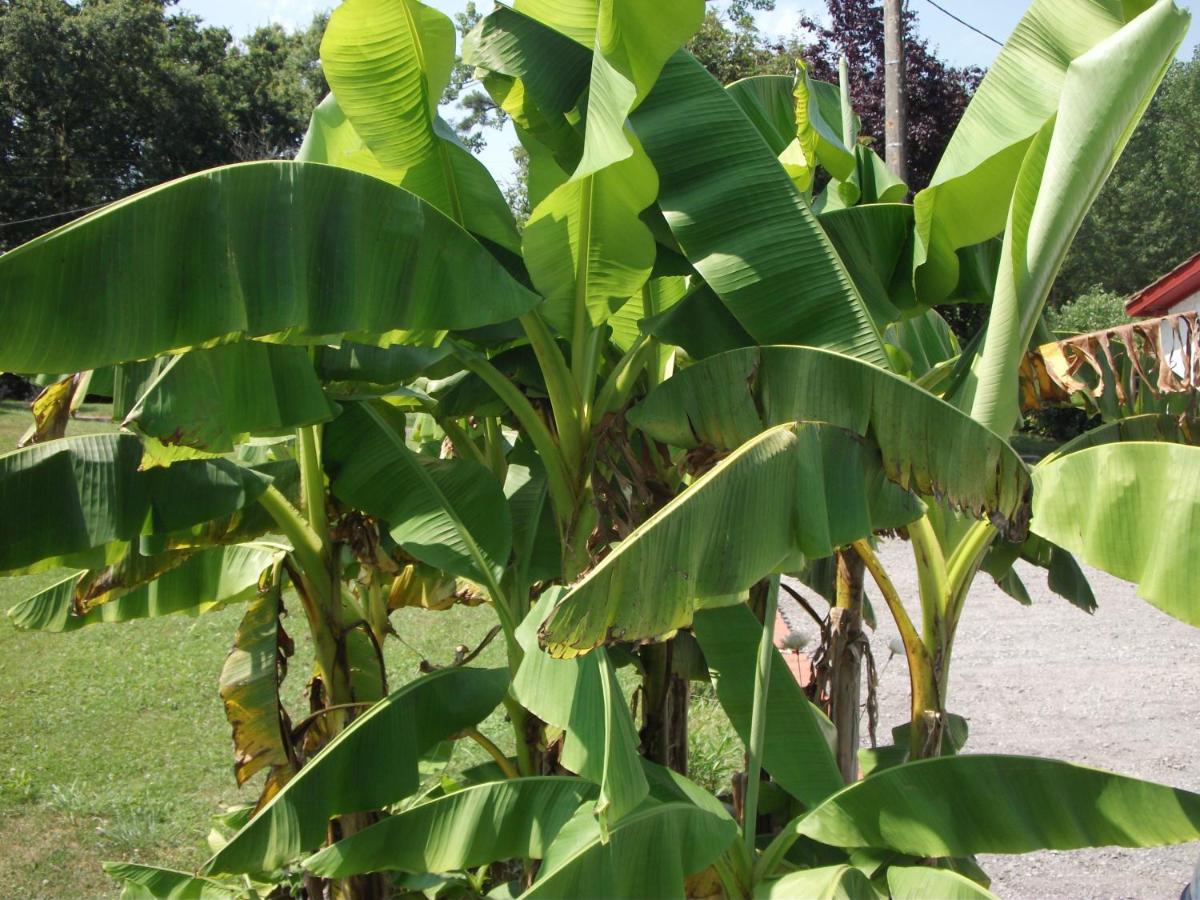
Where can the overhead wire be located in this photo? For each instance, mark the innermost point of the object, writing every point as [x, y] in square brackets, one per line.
[964, 23]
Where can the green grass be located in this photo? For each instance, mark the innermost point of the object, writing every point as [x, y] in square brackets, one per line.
[114, 743]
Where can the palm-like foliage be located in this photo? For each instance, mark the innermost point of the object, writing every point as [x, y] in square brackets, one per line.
[687, 377]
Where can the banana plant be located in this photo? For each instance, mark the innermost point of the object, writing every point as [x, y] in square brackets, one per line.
[614, 432]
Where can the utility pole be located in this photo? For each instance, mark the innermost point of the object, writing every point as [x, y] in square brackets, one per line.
[895, 92]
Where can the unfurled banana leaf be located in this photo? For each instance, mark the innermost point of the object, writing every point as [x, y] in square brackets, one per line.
[200, 581]
[369, 765]
[1100, 97]
[388, 62]
[768, 103]
[925, 883]
[927, 445]
[1035, 78]
[648, 853]
[472, 827]
[582, 697]
[271, 249]
[798, 752]
[249, 688]
[79, 494]
[742, 223]
[1126, 508]
[795, 489]
[826, 883]
[873, 242]
[450, 514]
[585, 246]
[630, 40]
[140, 882]
[963, 805]
[211, 399]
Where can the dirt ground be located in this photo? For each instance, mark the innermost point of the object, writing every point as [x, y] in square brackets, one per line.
[1118, 690]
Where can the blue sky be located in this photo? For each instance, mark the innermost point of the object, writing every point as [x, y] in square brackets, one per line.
[955, 43]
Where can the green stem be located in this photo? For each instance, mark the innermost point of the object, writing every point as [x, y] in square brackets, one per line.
[557, 473]
[657, 372]
[964, 565]
[312, 480]
[758, 716]
[493, 751]
[560, 386]
[624, 376]
[464, 447]
[306, 545]
[931, 577]
[495, 448]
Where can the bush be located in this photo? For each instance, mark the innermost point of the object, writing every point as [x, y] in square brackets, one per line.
[1091, 311]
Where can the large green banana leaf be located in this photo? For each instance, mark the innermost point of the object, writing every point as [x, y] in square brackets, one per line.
[927, 445]
[385, 743]
[214, 398]
[796, 489]
[962, 805]
[798, 752]
[648, 853]
[742, 223]
[767, 101]
[630, 40]
[1129, 509]
[249, 688]
[272, 249]
[476, 826]
[81, 493]
[826, 883]
[585, 246]
[537, 548]
[203, 580]
[582, 697]
[1034, 80]
[1148, 428]
[925, 883]
[451, 514]
[140, 882]
[1104, 92]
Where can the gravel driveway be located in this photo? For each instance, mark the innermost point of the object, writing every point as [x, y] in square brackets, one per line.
[1119, 690]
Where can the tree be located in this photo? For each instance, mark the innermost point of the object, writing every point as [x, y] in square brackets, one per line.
[1147, 219]
[460, 436]
[106, 97]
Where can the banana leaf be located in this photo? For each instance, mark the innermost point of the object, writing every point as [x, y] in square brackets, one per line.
[450, 514]
[825, 883]
[1129, 509]
[140, 882]
[795, 489]
[202, 581]
[79, 494]
[389, 738]
[472, 827]
[925, 883]
[281, 250]
[927, 445]
[963, 805]
[1149, 428]
[742, 223]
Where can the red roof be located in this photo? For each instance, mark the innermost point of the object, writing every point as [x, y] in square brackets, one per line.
[1157, 299]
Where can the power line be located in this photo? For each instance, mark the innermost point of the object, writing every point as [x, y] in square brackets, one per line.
[65, 212]
[964, 23]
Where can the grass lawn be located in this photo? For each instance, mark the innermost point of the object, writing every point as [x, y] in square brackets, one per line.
[115, 744]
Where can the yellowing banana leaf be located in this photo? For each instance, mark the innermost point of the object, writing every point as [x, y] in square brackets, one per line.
[387, 741]
[1129, 509]
[741, 222]
[798, 752]
[927, 445]
[280, 250]
[586, 248]
[82, 493]
[1104, 91]
[925, 883]
[211, 399]
[630, 40]
[1027, 86]
[646, 854]
[582, 697]
[476, 826]
[826, 883]
[795, 489]
[140, 882]
[201, 581]
[450, 514]
[963, 805]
